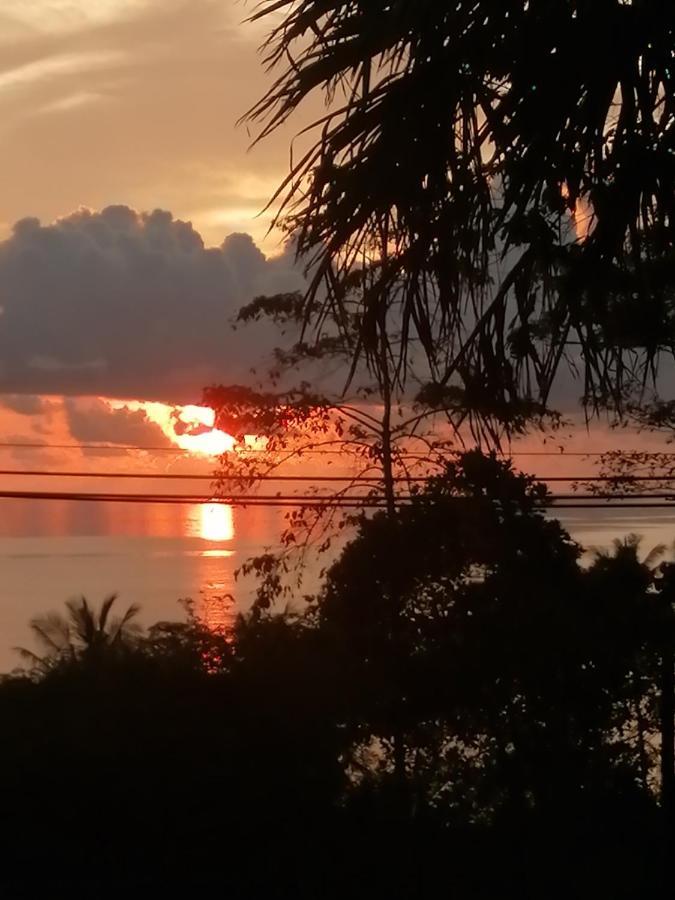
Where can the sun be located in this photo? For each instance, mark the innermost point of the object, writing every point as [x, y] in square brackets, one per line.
[210, 443]
[189, 427]
[199, 435]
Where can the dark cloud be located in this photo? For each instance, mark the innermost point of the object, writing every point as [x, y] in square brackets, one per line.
[93, 421]
[26, 404]
[30, 450]
[127, 304]
[23, 441]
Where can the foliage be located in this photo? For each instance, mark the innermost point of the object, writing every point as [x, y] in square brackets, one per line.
[526, 691]
[503, 171]
[83, 634]
[190, 645]
[384, 438]
[466, 621]
[378, 436]
[644, 472]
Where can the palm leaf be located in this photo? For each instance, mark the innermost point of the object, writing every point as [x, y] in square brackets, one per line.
[52, 631]
[461, 161]
[104, 612]
[123, 627]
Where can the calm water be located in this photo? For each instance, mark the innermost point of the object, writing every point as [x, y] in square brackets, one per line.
[154, 555]
[147, 553]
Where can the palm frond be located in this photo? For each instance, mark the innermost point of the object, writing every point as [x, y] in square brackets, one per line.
[83, 619]
[463, 145]
[124, 627]
[104, 611]
[32, 658]
[52, 631]
[655, 555]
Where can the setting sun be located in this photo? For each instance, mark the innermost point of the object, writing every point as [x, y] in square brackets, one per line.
[200, 436]
[188, 427]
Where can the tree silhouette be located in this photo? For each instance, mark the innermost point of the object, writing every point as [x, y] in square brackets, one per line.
[518, 679]
[666, 647]
[83, 634]
[511, 193]
[387, 442]
[465, 624]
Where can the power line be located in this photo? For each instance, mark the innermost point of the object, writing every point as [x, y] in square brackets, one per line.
[179, 451]
[180, 476]
[369, 479]
[623, 495]
[612, 506]
[242, 500]
[604, 478]
[13, 445]
[561, 501]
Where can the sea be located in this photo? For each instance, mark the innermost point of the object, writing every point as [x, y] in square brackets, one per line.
[156, 555]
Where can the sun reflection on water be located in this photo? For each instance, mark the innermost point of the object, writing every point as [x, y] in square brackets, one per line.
[216, 611]
[216, 606]
[216, 522]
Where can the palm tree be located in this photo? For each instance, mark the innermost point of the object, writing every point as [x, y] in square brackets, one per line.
[635, 578]
[627, 550]
[514, 194]
[82, 634]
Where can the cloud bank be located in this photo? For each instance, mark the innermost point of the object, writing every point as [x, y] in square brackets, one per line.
[125, 304]
[93, 421]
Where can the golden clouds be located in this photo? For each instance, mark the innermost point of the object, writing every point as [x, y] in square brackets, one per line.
[134, 101]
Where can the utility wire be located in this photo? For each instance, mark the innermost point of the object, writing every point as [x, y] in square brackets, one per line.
[180, 476]
[365, 479]
[28, 446]
[306, 452]
[248, 500]
[563, 501]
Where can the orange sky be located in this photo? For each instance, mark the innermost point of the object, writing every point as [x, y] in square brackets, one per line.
[165, 430]
[134, 102]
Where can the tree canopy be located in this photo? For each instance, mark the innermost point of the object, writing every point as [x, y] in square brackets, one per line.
[458, 656]
[505, 173]
[465, 622]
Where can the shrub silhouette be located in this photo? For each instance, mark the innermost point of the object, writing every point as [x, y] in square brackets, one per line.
[522, 688]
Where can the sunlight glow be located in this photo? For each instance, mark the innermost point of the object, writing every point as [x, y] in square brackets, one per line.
[581, 216]
[201, 436]
[216, 522]
[188, 427]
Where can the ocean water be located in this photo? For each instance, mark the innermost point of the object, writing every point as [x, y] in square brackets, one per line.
[155, 554]
[150, 554]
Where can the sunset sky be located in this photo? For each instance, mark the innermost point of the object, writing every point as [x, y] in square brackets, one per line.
[134, 102]
[132, 229]
[129, 215]
[110, 111]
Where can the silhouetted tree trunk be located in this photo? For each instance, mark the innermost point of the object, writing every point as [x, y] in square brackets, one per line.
[668, 724]
[387, 457]
[640, 720]
[390, 499]
[389, 491]
[666, 625]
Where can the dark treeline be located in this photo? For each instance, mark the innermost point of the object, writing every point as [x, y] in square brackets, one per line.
[466, 709]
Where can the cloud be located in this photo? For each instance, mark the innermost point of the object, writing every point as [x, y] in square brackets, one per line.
[136, 101]
[54, 66]
[26, 404]
[71, 102]
[31, 450]
[125, 304]
[94, 421]
[68, 15]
